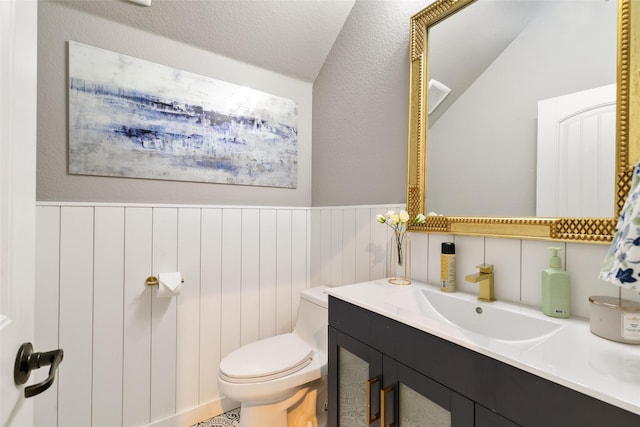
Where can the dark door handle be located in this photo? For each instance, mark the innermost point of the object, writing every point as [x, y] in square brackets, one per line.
[27, 361]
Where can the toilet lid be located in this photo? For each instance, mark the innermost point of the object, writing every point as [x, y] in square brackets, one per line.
[267, 359]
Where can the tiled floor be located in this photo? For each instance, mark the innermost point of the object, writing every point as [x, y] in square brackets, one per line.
[228, 419]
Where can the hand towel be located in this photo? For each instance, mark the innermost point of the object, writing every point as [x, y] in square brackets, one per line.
[622, 264]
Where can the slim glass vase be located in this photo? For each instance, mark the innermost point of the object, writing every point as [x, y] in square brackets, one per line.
[399, 263]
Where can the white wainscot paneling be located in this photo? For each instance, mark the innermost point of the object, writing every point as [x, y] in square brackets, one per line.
[362, 243]
[47, 297]
[325, 247]
[210, 303]
[188, 310]
[348, 274]
[76, 316]
[164, 316]
[283, 271]
[136, 393]
[470, 252]
[348, 245]
[132, 359]
[299, 257]
[108, 291]
[231, 279]
[315, 247]
[337, 248]
[419, 256]
[535, 258]
[250, 288]
[504, 255]
[268, 274]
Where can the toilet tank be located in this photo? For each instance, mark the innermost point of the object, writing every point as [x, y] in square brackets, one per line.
[313, 318]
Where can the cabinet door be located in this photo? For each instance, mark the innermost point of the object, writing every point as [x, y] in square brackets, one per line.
[412, 399]
[355, 379]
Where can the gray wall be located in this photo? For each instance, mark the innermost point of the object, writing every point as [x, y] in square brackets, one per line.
[57, 24]
[360, 108]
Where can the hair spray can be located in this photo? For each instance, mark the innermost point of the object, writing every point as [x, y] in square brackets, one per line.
[448, 267]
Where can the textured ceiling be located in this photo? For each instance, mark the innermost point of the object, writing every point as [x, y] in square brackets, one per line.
[291, 37]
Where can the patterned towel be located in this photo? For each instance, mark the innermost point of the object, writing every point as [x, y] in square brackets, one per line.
[622, 264]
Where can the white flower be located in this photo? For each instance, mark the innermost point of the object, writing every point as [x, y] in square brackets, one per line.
[398, 221]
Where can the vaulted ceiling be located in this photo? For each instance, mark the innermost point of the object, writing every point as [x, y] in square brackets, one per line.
[294, 37]
[291, 37]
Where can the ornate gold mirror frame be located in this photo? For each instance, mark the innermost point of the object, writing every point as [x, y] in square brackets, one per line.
[587, 230]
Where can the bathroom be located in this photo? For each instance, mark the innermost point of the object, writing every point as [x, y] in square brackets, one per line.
[131, 360]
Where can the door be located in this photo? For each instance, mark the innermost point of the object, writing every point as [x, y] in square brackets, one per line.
[18, 67]
[576, 154]
[412, 399]
[355, 384]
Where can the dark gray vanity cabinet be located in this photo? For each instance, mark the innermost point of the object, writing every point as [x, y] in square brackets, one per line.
[421, 377]
[376, 390]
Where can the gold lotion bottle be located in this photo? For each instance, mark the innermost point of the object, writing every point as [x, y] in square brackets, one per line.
[448, 267]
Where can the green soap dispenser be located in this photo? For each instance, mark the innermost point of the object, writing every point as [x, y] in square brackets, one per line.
[556, 293]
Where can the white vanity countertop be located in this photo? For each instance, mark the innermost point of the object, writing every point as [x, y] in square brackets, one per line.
[572, 356]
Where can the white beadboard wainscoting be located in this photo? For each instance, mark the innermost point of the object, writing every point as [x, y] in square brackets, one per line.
[348, 244]
[135, 360]
[131, 359]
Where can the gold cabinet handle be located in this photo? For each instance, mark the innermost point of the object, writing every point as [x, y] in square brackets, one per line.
[371, 418]
[383, 405]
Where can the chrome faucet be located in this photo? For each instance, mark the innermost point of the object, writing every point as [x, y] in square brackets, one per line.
[485, 279]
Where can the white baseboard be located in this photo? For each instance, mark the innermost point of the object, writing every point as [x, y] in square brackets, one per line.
[195, 415]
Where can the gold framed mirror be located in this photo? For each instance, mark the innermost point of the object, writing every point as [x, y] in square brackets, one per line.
[627, 144]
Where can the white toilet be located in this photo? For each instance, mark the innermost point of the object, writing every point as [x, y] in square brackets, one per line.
[281, 381]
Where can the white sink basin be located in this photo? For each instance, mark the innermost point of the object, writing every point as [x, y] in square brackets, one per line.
[502, 321]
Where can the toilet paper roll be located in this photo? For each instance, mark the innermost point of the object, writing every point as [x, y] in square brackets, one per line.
[170, 284]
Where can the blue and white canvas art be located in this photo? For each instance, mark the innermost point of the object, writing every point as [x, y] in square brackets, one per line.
[134, 118]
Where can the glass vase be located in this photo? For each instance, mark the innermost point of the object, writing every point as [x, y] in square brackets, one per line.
[399, 263]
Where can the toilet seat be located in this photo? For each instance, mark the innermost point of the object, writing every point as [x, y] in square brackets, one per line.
[279, 356]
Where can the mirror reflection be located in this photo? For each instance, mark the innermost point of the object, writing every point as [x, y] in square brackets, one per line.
[528, 127]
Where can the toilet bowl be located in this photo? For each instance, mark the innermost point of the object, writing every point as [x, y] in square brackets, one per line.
[280, 381]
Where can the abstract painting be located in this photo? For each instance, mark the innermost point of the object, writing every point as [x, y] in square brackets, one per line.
[134, 118]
